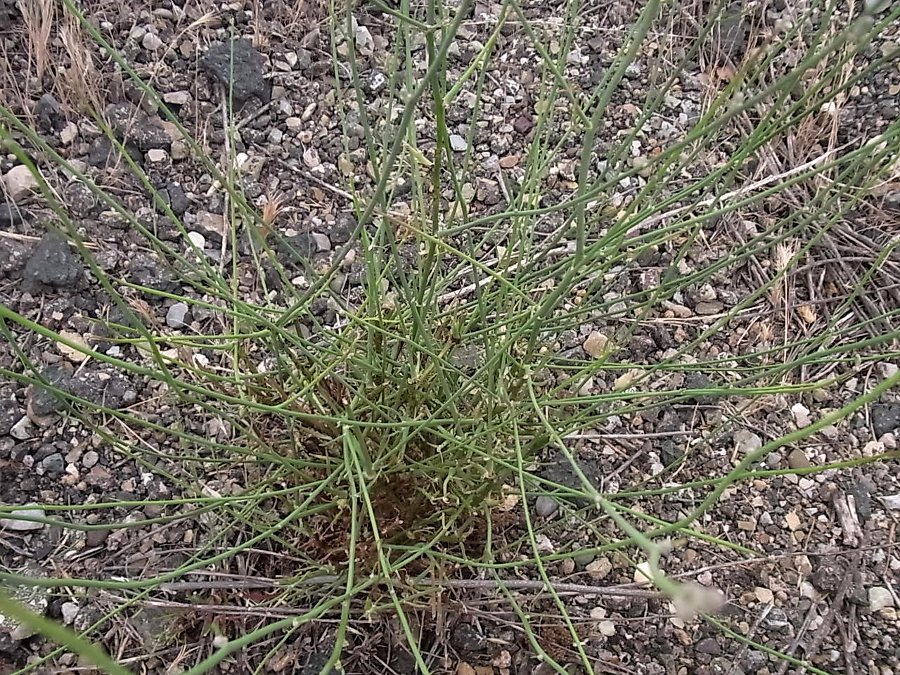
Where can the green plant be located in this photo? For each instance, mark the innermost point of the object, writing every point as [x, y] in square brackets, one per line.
[378, 456]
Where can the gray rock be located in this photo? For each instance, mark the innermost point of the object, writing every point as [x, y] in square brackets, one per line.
[52, 263]
[47, 109]
[96, 537]
[699, 381]
[343, 228]
[43, 401]
[151, 42]
[729, 36]
[239, 67]
[146, 271]
[110, 391]
[10, 215]
[10, 413]
[130, 123]
[69, 611]
[458, 143]
[880, 597]
[300, 245]
[21, 430]
[176, 317]
[90, 459]
[862, 498]
[322, 242]
[102, 152]
[12, 523]
[545, 506]
[885, 417]
[708, 646]
[54, 465]
[523, 125]
[775, 619]
[173, 195]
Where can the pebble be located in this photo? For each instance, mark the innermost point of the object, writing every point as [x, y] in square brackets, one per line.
[599, 569]
[19, 182]
[53, 465]
[606, 628]
[21, 430]
[151, 42]
[523, 125]
[90, 459]
[15, 525]
[709, 646]
[746, 442]
[69, 611]
[545, 506]
[180, 150]
[458, 143]
[197, 239]
[177, 97]
[323, 243]
[595, 344]
[175, 317]
[798, 460]
[157, 155]
[708, 308]
[801, 415]
[879, 598]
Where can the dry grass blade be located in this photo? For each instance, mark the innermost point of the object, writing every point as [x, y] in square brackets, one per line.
[78, 85]
[38, 17]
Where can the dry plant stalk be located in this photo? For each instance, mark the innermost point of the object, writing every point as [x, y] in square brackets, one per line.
[78, 84]
[38, 17]
[271, 209]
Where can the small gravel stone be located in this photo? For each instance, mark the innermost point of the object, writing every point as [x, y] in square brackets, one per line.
[595, 344]
[11, 523]
[177, 97]
[798, 459]
[19, 182]
[69, 611]
[458, 143]
[746, 441]
[599, 569]
[21, 430]
[801, 415]
[523, 125]
[90, 459]
[879, 598]
[157, 155]
[545, 506]
[151, 42]
[709, 646]
[885, 417]
[775, 619]
[54, 465]
[323, 243]
[177, 315]
[197, 240]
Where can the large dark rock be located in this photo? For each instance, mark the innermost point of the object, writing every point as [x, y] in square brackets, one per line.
[885, 417]
[238, 67]
[52, 264]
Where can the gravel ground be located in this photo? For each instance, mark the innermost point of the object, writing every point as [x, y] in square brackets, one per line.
[823, 586]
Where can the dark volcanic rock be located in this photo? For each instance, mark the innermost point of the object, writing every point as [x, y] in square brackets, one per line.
[52, 263]
[239, 67]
